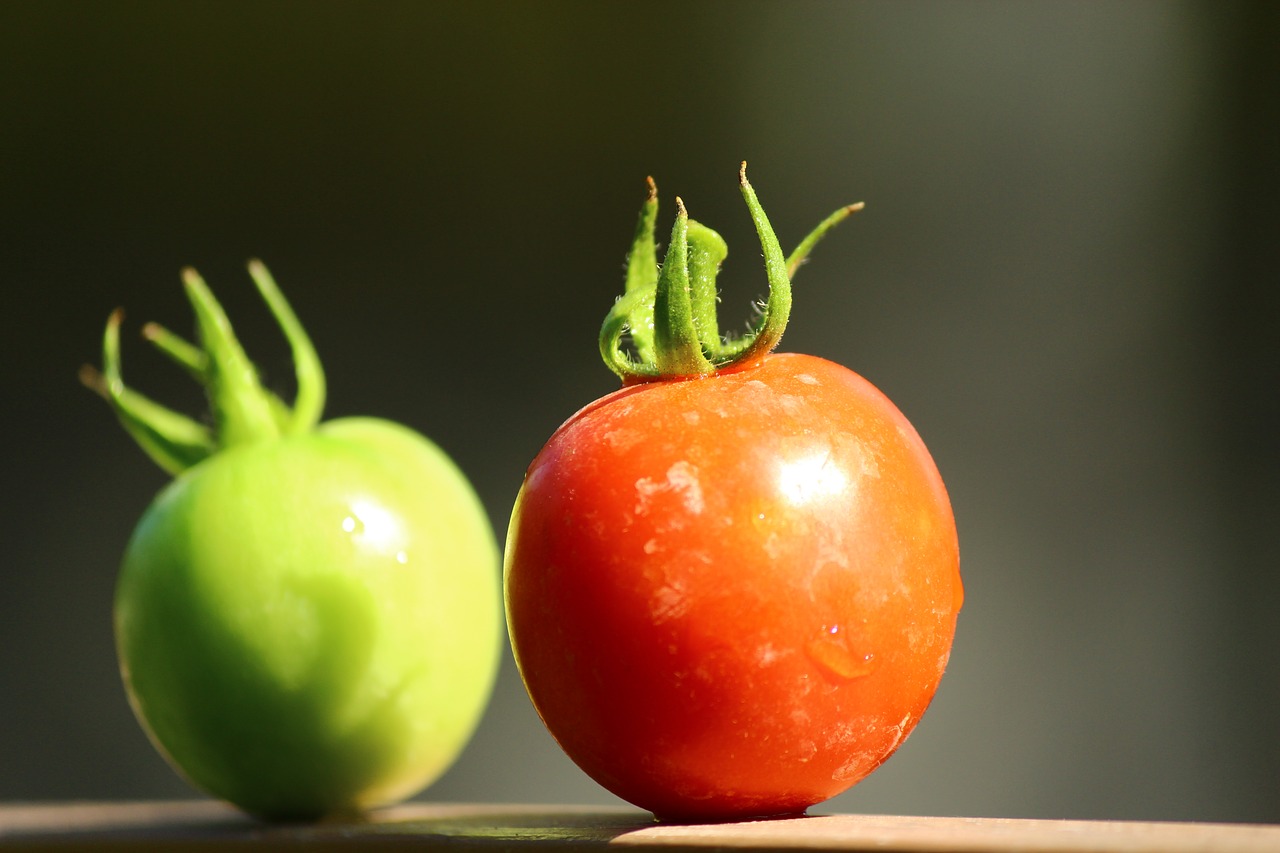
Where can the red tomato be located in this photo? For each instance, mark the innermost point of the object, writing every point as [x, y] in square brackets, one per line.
[733, 595]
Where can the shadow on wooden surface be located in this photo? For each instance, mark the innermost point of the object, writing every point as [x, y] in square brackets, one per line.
[209, 826]
[212, 825]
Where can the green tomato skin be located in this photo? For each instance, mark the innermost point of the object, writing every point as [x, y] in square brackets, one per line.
[311, 626]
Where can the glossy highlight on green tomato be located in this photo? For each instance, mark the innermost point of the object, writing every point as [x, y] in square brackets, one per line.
[307, 617]
[731, 592]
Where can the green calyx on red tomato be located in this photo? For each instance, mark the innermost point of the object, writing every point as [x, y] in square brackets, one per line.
[731, 585]
[670, 315]
[307, 617]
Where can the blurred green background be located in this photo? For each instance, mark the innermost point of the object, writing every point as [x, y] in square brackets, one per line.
[1066, 276]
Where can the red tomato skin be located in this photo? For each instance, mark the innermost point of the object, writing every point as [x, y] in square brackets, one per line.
[733, 596]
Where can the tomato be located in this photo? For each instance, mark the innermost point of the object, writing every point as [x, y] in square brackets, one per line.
[731, 593]
[307, 618]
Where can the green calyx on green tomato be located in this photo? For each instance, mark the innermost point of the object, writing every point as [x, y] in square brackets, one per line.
[731, 585]
[308, 617]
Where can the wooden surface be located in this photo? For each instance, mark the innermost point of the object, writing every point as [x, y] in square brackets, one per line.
[208, 826]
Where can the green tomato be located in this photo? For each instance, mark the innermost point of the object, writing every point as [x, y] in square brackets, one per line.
[308, 621]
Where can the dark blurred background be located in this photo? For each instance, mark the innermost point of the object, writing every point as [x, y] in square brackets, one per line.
[1066, 276]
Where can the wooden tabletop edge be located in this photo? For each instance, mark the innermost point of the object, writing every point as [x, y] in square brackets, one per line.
[462, 825]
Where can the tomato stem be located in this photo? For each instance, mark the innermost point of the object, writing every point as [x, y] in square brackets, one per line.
[669, 315]
[676, 340]
[243, 410]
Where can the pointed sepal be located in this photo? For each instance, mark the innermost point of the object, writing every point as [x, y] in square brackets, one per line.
[670, 315]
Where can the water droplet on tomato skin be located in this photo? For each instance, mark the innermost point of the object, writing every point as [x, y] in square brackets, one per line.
[831, 652]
